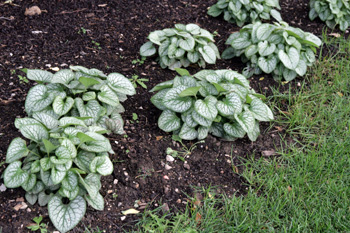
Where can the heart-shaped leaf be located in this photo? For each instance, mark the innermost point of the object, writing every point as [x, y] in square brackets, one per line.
[97, 203]
[16, 150]
[46, 119]
[101, 165]
[173, 101]
[208, 54]
[267, 64]
[168, 121]
[14, 176]
[246, 120]
[291, 59]
[234, 129]
[70, 181]
[206, 108]
[147, 49]
[108, 96]
[38, 98]
[66, 216]
[39, 75]
[62, 107]
[63, 76]
[119, 83]
[260, 110]
[188, 133]
[230, 105]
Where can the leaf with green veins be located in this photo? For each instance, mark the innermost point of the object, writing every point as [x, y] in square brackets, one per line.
[188, 133]
[206, 108]
[246, 120]
[47, 120]
[57, 176]
[40, 76]
[32, 129]
[268, 64]
[168, 121]
[253, 135]
[182, 72]
[101, 144]
[101, 165]
[234, 129]
[208, 54]
[173, 101]
[91, 183]
[260, 110]
[16, 150]
[61, 106]
[84, 138]
[97, 203]
[14, 176]
[49, 146]
[31, 198]
[120, 84]
[201, 120]
[67, 121]
[147, 49]
[45, 164]
[66, 217]
[70, 181]
[290, 59]
[63, 76]
[108, 96]
[35, 167]
[37, 99]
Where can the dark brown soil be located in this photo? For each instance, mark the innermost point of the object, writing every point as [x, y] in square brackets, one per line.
[62, 35]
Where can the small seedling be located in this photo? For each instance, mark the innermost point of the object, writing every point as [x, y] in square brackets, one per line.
[22, 79]
[125, 135]
[127, 151]
[115, 196]
[38, 225]
[138, 61]
[12, 72]
[135, 118]
[82, 30]
[96, 44]
[136, 80]
[185, 150]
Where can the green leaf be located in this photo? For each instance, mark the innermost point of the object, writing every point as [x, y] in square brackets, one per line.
[66, 216]
[301, 68]
[291, 59]
[87, 82]
[214, 11]
[173, 101]
[30, 182]
[191, 91]
[188, 133]
[208, 54]
[246, 120]
[70, 181]
[108, 96]
[206, 108]
[49, 146]
[147, 49]
[163, 85]
[97, 203]
[288, 74]
[84, 159]
[39, 186]
[39, 75]
[240, 43]
[35, 167]
[90, 95]
[168, 121]
[120, 84]
[31, 198]
[61, 107]
[14, 176]
[265, 49]
[276, 15]
[193, 57]
[84, 138]
[268, 64]
[202, 132]
[43, 198]
[182, 72]
[201, 120]
[16, 150]
[38, 98]
[156, 37]
[101, 165]
[92, 110]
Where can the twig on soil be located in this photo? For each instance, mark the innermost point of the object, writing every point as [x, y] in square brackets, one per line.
[70, 12]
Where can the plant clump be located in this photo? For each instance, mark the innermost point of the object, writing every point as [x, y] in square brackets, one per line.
[181, 46]
[219, 102]
[241, 12]
[67, 154]
[333, 12]
[277, 49]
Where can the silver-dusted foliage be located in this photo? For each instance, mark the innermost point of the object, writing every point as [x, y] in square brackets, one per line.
[181, 46]
[69, 112]
[241, 12]
[333, 12]
[220, 102]
[277, 49]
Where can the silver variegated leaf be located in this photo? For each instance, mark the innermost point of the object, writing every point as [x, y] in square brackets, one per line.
[16, 150]
[101, 165]
[246, 120]
[174, 102]
[97, 203]
[168, 121]
[188, 133]
[14, 176]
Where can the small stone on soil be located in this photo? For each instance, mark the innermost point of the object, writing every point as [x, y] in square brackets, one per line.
[165, 208]
[187, 166]
[166, 177]
[123, 218]
[167, 167]
[115, 181]
[170, 158]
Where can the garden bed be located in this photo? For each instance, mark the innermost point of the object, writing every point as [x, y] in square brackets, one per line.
[107, 35]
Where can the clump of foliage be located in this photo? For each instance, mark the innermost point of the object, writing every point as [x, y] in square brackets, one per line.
[181, 46]
[333, 12]
[220, 102]
[279, 49]
[79, 92]
[241, 12]
[67, 154]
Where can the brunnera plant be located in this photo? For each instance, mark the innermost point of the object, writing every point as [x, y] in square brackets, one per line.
[219, 102]
[277, 49]
[241, 12]
[64, 160]
[80, 92]
[181, 46]
[333, 12]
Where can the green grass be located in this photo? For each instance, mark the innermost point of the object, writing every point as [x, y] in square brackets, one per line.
[307, 187]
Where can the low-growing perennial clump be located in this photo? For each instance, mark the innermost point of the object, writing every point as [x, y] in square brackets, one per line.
[219, 102]
[333, 12]
[67, 154]
[241, 12]
[181, 46]
[279, 49]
